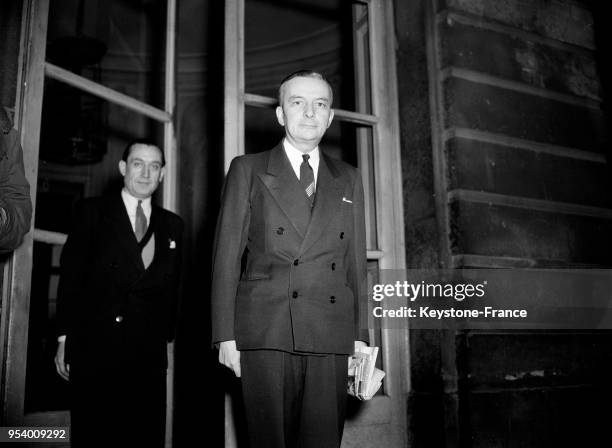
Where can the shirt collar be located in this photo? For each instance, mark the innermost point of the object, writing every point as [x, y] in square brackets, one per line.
[295, 155]
[131, 203]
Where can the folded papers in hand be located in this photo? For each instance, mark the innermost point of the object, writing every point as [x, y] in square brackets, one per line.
[364, 377]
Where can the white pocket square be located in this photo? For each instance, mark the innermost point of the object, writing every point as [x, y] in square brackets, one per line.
[347, 200]
[172, 244]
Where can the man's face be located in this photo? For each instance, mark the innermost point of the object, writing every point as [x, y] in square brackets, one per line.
[143, 170]
[305, 111]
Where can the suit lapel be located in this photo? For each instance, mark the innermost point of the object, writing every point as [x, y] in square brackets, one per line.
[120, 221]
[284, 186]
[327, 201]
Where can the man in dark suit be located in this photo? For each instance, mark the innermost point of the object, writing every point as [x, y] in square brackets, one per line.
[289, 276]
[116, 308]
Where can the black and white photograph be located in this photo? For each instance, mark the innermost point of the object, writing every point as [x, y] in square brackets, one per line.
[305, 224]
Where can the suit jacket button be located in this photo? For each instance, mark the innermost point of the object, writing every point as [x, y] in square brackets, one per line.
[341, 235]
[119, 319]
[296, 262]
[294, 295]
[332, 299]
[280, 231]
[333, 266]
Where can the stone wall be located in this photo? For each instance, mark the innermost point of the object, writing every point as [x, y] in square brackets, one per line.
[504, 142]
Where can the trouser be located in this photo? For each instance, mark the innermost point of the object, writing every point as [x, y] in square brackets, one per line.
[294, 400]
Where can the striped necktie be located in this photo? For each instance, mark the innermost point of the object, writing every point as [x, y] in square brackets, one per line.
[307, 178]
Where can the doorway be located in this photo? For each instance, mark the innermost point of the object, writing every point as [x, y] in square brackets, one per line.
[90, 77]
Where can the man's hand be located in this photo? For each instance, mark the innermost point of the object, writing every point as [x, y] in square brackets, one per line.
[63, 369]
[229, 356]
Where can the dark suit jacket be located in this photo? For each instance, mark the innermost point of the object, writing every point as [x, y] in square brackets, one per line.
[282, 279]
[14, 188]
[109, 306]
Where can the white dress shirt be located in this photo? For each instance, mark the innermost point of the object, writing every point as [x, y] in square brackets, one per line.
[295, 158]
[131, 203]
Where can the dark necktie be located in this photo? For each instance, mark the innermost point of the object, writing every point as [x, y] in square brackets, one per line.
[307, 178]
[141, 222]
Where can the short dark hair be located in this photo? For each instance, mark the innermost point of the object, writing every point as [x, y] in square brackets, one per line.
[304, 74]
[141, 141]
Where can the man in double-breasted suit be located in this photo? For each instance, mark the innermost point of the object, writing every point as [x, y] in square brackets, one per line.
[289, 276]
[116, 308]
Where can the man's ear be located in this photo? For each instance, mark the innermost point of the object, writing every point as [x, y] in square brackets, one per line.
[162, 173]
[280, 116]
[331, 117]
[122, 167]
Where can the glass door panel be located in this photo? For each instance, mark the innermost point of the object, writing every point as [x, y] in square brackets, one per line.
[91, 107]
[71, 166]
[114, 43]
[317, 35]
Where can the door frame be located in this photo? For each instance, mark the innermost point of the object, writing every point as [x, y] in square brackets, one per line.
[17, 275]
[390, 407]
